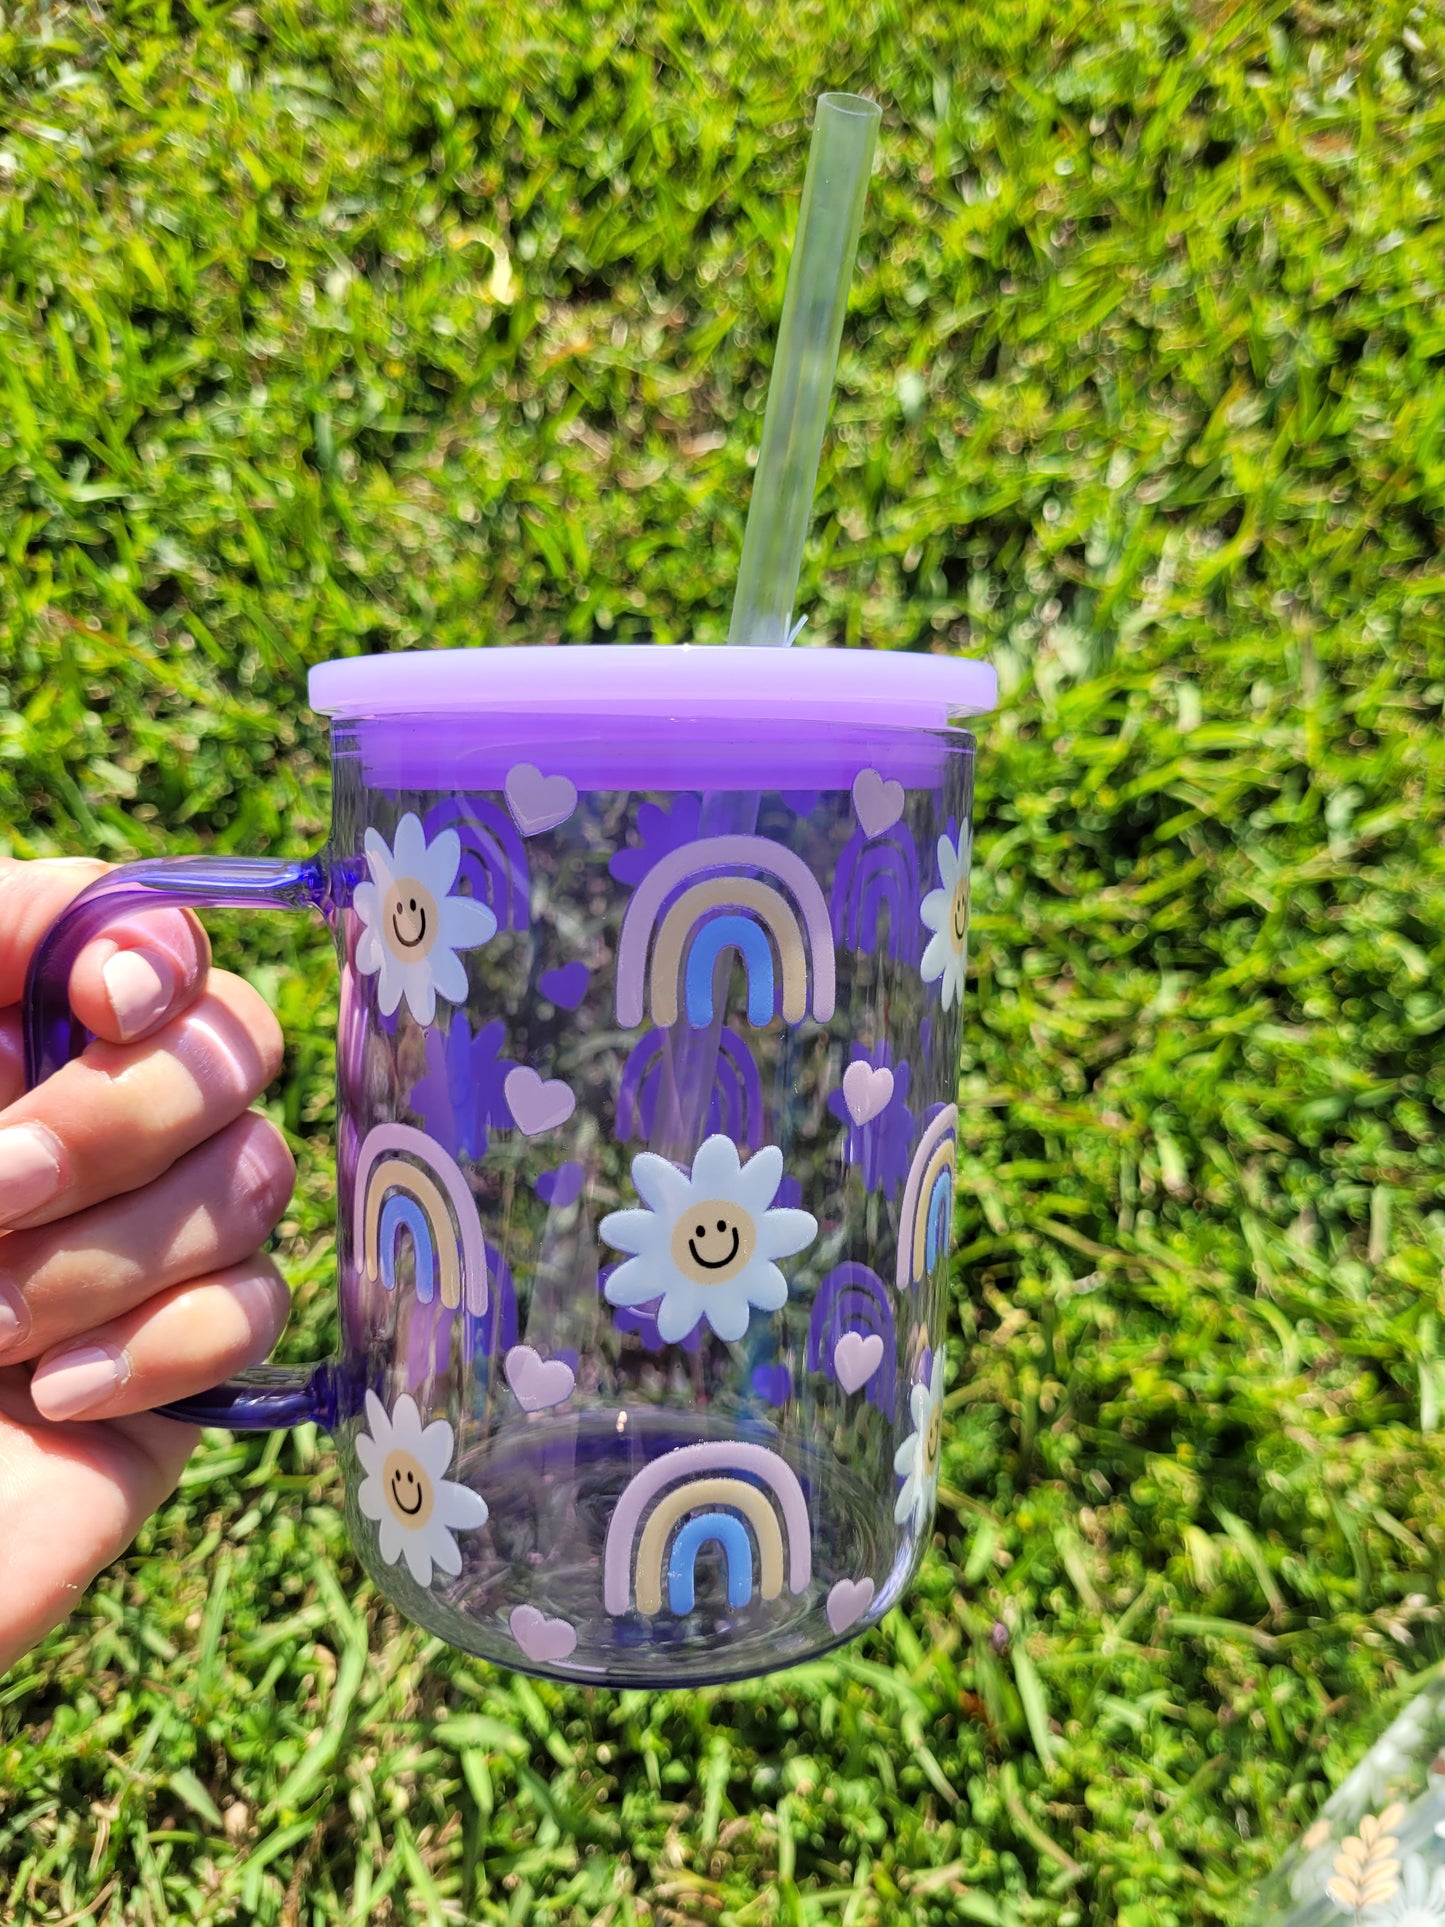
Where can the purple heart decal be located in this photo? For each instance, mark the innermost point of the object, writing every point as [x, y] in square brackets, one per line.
[541, 1638]
[856, 1359]
[563, 1186]
[847, 1603]
[879, 804]
[538, 802]
[867, 1091]
[566, 986]
[537, 1382]
[537, 1106]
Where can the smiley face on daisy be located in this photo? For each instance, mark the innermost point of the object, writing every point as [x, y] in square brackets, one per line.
[705, 1244]
[413, 926]
[415, 1508]
[945, 912]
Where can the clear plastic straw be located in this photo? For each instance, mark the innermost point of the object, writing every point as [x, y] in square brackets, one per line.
[801, 390]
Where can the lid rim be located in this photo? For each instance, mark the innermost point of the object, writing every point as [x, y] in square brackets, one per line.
[887, 687]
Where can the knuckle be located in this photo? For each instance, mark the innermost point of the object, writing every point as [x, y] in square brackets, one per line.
[249, 1009]
[265, 1170]
[265, 1305]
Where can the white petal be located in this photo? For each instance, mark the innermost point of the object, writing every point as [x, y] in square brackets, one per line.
[785, 1231]
[756, 1185]
[904, 1505]
[658, 1182]
[952, 993]
[388, 993]
[419, 991]
[727, 1312]
[391, 1537]
[935, 961]
[459, 1507]
[378, 1421]
[406, 1423]
[679, 1312]
[378, 859]
[370, 1498]
[465, 923]
[906, 1457]
[933, 908]
[632, 1283]
[935, 1377]
[369, 953]
[715, 1168]
[443, 1548]
[369, 1453]
[410, 846]
[763, 1285]
[948, 863]
[439, 866]
[920, 1406]
[449, 976]
[366, 902]
[435, 1446]
[632, 1231]
[418, 1557]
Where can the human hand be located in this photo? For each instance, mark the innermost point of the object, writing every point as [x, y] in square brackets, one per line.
[135, 1190]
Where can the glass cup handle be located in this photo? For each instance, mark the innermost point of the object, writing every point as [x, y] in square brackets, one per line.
[270, 1395]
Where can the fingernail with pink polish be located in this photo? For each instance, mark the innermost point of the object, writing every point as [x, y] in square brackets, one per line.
[140, 986]
[70, 1384]
[14, 1317]
[29, 1171]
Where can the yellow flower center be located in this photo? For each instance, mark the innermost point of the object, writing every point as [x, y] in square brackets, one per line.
[410, 924]
[408, 1490]
[713, 1241]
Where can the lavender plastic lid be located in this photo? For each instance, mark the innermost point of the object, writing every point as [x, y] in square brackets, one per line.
[587, 680]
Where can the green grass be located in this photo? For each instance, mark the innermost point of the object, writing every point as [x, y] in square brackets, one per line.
[336, 327]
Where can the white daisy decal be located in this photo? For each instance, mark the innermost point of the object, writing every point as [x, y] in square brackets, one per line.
[916, 1460]
[705, 1245]
[414, 929]
[945, 911]
[416, 1509]
[1421, 1899]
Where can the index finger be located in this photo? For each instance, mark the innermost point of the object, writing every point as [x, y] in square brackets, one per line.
[141, 971]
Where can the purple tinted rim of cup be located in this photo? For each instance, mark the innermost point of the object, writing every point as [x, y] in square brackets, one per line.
[871, 686]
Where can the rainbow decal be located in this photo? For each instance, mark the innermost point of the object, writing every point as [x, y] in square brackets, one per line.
[695, 1488]
[494, 858]
[406, 1182]
[877, 875]
[717, 915]
[735, 1105]
[853, 1298]
[927, 1217]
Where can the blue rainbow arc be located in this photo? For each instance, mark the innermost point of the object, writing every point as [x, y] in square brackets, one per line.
[729, 932]
[401, 1212]
[724, 1529]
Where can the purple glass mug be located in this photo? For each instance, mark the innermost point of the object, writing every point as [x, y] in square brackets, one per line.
[652, 964]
